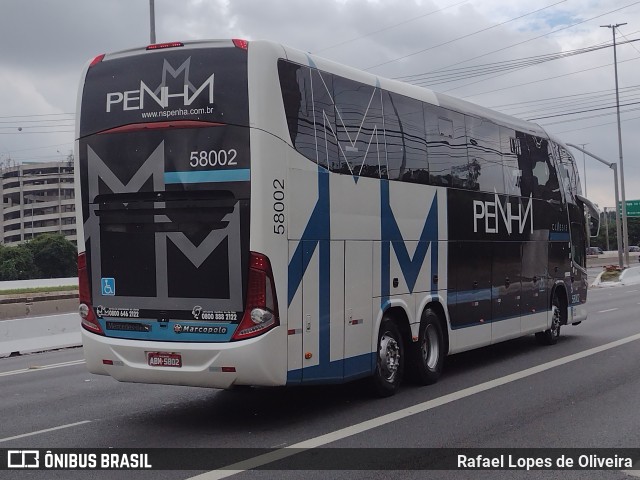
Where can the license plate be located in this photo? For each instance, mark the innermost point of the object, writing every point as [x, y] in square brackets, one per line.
[164, 359]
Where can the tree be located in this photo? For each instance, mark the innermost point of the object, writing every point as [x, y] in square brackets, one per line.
[634, 232]
[54, 255]
[16, 263]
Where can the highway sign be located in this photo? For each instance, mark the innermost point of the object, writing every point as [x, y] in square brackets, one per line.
[633, 208]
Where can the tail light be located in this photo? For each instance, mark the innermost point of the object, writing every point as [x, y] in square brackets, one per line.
[89, 320]
[162, 46]
[240, 43]
[261, 306]
[96, 60]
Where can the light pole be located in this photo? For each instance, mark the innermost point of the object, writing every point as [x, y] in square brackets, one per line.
[613, 167]
[152, 21]
[584, 167]
[625, 231]
[606, 224]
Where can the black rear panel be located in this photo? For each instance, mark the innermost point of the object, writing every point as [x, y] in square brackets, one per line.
[165, 167]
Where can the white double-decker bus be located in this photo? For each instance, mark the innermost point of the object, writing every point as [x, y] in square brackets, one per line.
[255, 215]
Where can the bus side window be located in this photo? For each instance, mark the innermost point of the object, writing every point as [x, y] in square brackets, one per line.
[295, 87]
[405, 139]
[545, 177]
[325, 141]
[485, 159]
[446, 147]
[578, 243]
[359, 127]
[565, 170]
[511, 148]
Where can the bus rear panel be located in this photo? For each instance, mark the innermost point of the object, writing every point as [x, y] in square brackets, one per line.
[165, 174]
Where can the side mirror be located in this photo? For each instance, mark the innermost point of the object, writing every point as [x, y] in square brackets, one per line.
[592, 214]
[594, 226]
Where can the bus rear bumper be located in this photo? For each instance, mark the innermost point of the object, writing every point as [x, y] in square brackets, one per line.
[257, 361]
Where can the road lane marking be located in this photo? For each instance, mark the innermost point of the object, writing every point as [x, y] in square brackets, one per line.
[608, 310]
[261, 460]
[69, 425]
[35, 368]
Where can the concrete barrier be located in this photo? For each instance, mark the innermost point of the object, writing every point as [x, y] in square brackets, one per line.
[35, 334]
[631, 276]
[39, 282]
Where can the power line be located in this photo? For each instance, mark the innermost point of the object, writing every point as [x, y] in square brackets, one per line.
[462, 37]
[534, 38]
[548, 78]
[389, 27]
[446, 76]
[580, 111]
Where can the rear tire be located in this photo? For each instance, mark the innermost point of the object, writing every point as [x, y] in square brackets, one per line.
[550, 337]
[428, 353]
[389, 370]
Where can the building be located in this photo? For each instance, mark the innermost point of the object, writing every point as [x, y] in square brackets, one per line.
[37, 198]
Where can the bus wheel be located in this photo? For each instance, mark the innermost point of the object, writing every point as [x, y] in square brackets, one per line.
[389, 359]
[428, 352]
[550, 337]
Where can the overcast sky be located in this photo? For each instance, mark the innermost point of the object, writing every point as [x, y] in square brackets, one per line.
[45, 43]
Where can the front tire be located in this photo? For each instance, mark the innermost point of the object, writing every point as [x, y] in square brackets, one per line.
[389, 370]
[550, 337]
[428, 353]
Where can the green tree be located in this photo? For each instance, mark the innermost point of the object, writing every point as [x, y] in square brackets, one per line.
[634, 232]
[54, 255]
[16, 263]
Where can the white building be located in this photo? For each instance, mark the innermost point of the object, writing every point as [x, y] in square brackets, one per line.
[37, 198]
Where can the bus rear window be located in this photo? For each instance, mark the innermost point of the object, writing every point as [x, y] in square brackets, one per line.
[158, 86]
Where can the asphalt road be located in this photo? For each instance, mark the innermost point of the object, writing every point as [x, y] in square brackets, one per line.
[492, 397]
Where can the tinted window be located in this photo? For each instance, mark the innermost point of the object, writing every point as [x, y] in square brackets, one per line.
[568, 173]
[295, 83]
[405, 139]
[539, 176]
[446, 147]
[174, 84]
[511, 150]
[359, 128]
[485, 159]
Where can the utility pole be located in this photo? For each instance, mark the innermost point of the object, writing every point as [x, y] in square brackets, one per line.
[152, 21]
[625, 230]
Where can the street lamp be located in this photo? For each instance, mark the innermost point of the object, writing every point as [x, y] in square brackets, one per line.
[614, 167]
[606, 226]
[152, 21]
[624, 199]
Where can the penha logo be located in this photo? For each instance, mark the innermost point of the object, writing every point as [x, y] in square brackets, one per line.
[135, 99]
[492, 217]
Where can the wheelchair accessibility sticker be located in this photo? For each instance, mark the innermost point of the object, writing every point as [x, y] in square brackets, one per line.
[108, 286]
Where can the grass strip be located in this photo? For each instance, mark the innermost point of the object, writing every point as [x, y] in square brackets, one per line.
[20, 291]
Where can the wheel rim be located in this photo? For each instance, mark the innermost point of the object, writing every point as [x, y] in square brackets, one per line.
[389, 357]
[430, 347]
[555, 321]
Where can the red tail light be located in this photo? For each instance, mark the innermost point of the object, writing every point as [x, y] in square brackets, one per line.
[89, 320]
[159, 46]
[261, 307]
[96, 60]
[243, 44]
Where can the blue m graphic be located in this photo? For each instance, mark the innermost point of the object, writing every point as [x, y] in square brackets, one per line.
[391, 236]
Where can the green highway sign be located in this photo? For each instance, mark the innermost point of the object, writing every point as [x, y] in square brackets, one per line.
[633, 208]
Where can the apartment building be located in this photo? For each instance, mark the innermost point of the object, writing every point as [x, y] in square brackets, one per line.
[37, 198]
